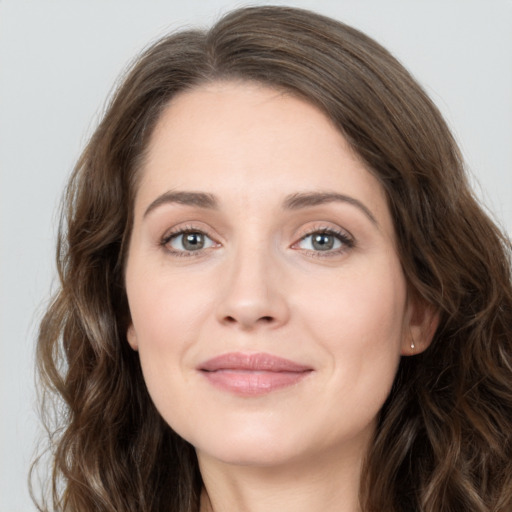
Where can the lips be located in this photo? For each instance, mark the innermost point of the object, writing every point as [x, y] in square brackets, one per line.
[252, 374]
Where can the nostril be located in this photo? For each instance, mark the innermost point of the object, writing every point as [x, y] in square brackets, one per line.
[267, 319]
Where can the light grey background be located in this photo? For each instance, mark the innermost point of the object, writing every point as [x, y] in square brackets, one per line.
[60, 58]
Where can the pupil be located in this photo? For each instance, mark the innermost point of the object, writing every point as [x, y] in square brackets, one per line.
[323, 242]
[193, 241]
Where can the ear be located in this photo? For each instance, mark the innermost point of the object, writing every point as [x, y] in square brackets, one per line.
[131, 336]
[422, 320]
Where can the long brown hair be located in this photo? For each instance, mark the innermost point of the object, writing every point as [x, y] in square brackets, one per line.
[444, 439]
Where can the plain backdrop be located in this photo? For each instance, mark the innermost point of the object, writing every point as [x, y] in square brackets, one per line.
[59, 60]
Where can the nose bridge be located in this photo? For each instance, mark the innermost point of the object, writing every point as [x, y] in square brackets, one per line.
[252, 293]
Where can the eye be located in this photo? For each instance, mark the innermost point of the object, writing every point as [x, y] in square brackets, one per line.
[328, 241]
[188, 241]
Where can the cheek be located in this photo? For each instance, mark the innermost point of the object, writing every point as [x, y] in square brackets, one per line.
[164, 308]
[359, 303]
[166, 314]
[364, 341]
[359, 320]
[162, 329]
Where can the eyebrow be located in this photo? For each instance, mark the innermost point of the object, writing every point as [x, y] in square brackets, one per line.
[200, 199]
[309, 199]
[295, 201]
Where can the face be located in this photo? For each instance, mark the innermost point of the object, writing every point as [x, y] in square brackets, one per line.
[267, 299]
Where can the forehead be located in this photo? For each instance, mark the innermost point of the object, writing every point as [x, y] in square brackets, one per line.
[247, 140]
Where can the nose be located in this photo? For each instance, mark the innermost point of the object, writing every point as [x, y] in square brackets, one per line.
[254, 294]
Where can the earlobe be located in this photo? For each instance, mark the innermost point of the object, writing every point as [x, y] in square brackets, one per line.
[131, 336]
[422, 324]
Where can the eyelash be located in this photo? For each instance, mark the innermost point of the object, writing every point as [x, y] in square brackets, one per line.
[167, 238]
[347, 242]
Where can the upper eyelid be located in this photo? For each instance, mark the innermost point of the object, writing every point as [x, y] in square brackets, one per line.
[339, 234]
[323, 228]
[188, 228]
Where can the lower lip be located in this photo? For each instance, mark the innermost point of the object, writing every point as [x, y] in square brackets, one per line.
[253, 383]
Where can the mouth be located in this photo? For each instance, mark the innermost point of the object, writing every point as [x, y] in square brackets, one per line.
[252, 374]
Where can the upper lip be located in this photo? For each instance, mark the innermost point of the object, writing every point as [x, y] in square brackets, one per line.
[252, 362]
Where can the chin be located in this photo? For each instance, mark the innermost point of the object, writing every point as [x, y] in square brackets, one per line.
[251, 445]
[252, 454]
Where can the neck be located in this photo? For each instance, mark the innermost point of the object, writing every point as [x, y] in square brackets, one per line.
[327, 484]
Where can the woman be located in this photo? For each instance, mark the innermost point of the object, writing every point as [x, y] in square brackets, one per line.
[277, 289]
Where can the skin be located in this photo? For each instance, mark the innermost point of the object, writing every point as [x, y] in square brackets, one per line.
[259, 284]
